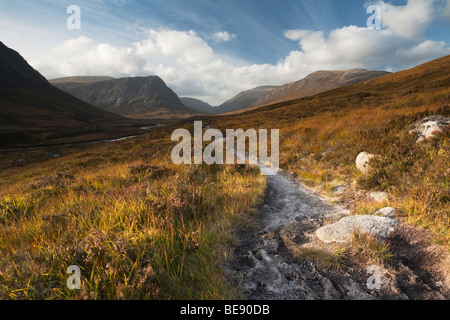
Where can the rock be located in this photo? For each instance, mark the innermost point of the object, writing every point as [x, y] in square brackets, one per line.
[362, 162]
[386, 212]
[379, 196]
[429, 126]
[342, 231]
[339, 190]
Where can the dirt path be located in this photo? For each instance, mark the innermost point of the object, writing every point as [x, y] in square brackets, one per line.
[267, 267]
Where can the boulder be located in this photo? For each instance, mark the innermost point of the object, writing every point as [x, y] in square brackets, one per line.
[429, 126]
[362, 162]
[342, 231]
[386, 212]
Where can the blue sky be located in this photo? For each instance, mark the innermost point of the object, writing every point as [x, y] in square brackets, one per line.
[213, 49]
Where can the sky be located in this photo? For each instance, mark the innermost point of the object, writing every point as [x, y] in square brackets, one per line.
[213, 49]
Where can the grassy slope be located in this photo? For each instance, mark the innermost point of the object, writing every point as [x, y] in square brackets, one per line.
[138, 226]
[142, 228]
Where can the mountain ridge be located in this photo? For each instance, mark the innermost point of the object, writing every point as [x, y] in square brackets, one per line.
[132, 97]
[314, 83]
[318, 82]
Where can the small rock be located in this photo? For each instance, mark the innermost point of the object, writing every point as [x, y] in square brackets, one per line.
[342, 231]
[386, 212]
[362, 162]
[339, 190]
[379, 196]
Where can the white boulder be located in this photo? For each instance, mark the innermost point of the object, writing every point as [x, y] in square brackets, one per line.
[429, 126]
[362, 161]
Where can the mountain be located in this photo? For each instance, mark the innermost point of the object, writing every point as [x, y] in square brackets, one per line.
[315, 83]
[198, 105]
[318, 82]
[425, 85]
[245, 99]
[136, 97]
[34, 112]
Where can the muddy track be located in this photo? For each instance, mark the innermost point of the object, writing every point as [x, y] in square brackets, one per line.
[266, 266]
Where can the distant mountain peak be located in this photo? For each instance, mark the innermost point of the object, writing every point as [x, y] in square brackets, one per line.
[133, 97]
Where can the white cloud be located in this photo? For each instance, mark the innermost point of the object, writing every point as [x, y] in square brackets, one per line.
[446, 11]
[307, 39]
[188, 64]
[81, 56]
[223, 36]
[410, 20]
[353, 47]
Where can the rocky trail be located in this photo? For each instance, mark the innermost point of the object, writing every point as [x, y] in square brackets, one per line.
[267, 266]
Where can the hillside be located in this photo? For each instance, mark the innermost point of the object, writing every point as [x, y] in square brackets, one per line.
[318, 82]
[33, 112]
[137, 97]
[243, 100]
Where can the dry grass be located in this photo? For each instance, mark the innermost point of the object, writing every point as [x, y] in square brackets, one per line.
[370, 250]
[332, 259]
